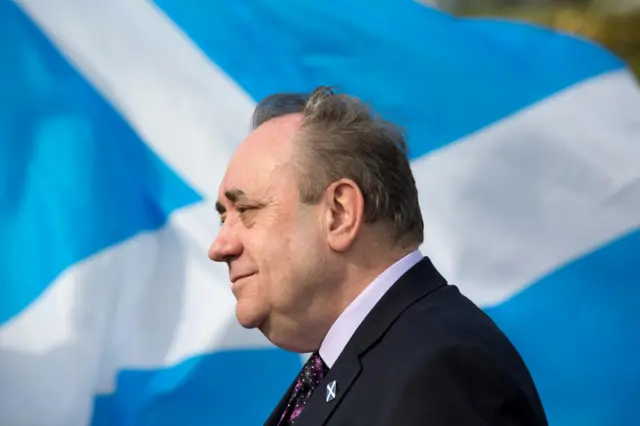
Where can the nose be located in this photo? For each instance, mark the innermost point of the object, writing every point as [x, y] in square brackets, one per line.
[226, 245]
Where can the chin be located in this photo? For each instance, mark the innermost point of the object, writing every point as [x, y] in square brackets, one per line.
[248, 318]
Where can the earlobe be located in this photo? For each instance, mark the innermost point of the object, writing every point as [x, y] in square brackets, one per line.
[346, 210]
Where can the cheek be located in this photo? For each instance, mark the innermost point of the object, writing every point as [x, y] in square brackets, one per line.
[252, 289]
[281, 253]
[292, 283]
[276, 251]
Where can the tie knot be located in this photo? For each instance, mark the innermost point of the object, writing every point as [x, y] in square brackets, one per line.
[313, 371]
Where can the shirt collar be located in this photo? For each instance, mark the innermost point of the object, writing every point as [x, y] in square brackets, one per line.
[347, 323]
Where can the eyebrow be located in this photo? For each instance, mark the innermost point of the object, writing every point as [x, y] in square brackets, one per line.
[234, 195]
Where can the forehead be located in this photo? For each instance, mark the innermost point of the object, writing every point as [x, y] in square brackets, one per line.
[261, 162]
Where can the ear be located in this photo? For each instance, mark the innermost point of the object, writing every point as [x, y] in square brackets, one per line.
[345, 213]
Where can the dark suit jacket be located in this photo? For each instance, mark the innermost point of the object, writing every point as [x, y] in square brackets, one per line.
[425, 355]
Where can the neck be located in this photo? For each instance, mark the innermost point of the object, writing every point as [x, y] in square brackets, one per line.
[358, 271]
[361, 271]
[364, 271]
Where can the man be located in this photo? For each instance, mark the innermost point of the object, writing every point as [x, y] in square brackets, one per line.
[320, 230]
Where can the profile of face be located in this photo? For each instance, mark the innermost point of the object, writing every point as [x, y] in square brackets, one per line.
[282, 254]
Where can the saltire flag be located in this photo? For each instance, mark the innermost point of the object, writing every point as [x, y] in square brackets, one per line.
[117, 119]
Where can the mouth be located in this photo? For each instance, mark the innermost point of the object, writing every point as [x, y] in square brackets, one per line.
[240, 277]
[237, 281]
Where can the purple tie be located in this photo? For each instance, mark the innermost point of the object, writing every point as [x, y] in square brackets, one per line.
[310, 376]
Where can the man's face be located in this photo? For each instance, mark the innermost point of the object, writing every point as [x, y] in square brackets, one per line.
[272, 243]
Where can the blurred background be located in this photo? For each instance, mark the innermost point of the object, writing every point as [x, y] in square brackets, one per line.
[612, 23]
[118, 118]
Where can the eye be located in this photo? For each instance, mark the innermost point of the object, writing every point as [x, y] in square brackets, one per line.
[243, 209]
[246, 214]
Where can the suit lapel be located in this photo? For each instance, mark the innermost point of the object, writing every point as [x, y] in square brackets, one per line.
[344, 373]
[416, 283]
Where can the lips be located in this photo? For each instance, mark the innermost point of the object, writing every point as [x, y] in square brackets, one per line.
[236, 284]
[239, 277]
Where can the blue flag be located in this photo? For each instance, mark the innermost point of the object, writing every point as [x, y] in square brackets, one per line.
[117, 120]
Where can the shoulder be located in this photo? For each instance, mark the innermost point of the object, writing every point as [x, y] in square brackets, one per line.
[444, 319]
[463, 384]
[444, 346]
[445, 326]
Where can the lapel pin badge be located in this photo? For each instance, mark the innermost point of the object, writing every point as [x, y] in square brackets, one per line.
[331, 391]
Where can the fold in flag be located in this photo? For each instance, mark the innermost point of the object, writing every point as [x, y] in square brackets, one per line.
[117, 119]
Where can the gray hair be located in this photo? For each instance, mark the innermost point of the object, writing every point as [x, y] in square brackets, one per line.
[342, 138]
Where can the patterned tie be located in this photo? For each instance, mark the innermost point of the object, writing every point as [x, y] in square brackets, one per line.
[310, 376]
